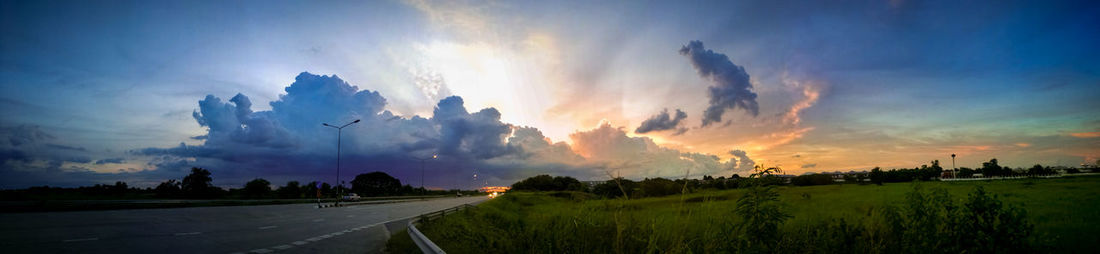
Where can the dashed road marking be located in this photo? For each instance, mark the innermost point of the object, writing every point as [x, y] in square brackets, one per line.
[268, 227]
[81, 239]
[300, 243]
[260, 251]
[282, 247]
[337, 233]
[188, 233]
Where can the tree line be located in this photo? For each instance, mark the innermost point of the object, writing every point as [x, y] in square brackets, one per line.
[655, 187]
[199, 185]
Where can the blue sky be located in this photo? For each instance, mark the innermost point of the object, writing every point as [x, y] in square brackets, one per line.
[103, 91]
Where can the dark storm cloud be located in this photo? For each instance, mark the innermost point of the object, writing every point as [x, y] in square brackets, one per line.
[289, 139]
[31, 156]
[28, 143]
[65, 147]
[731, 87]
[110, 160]
[660, 122]
[24, 134]
[480, 134]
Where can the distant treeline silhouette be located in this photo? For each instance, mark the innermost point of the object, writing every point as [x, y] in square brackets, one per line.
[655, 187]
[199, 185]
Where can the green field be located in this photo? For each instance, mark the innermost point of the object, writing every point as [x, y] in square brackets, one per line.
[1064, 213]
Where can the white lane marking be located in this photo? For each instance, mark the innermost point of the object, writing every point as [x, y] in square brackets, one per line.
[81, 239]
[282, 247]
[188, 233]
[337, 233]
[268, 227]
[346, 231]
[318, 220]
[260, 251]
[300, 243]
[314, 239]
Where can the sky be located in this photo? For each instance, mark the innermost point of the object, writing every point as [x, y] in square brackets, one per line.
[141, 91]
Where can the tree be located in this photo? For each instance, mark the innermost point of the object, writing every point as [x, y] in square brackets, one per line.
[548, 183]
[168, 189]
[257, 188]
[375, 184]
[1040, 170]
[656, 187]
[310, 190]
[291, 190]
[965, 172]
[326, 190]
[610, 188]
[812, 179]
[877, 176]
[992, 169]
[198, 184]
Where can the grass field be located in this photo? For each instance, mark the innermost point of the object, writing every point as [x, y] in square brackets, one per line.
[1064, 213]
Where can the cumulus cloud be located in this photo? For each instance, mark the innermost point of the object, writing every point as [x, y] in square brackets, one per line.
[744, 163]
[662, 121]
[289, 139]
[641, 157]
[731, 87]
[289, 143]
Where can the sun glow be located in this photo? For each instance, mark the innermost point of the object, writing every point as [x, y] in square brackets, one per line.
[518, 80]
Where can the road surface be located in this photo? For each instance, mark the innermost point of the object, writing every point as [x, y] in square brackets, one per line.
[294, 228]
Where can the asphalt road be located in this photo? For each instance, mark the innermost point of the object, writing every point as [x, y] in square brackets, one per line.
[294, 228]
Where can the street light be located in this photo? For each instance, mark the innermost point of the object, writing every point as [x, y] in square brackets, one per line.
[422, 162]
[339, 132]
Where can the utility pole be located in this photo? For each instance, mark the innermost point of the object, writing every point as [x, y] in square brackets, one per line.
[339, 132]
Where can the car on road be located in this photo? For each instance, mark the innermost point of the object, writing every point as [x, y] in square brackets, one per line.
[351, 197]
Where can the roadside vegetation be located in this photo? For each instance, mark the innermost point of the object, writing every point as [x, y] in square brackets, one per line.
[763, 215]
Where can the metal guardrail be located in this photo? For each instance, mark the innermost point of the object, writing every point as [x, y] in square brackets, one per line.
[426, 245]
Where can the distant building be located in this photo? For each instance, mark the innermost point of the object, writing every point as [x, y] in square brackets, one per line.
[592, 184]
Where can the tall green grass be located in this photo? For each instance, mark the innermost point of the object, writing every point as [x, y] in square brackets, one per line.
[835, 218]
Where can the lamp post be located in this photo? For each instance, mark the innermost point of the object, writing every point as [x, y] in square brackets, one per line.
[339, 132]
[954, 170]
[422, 162]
